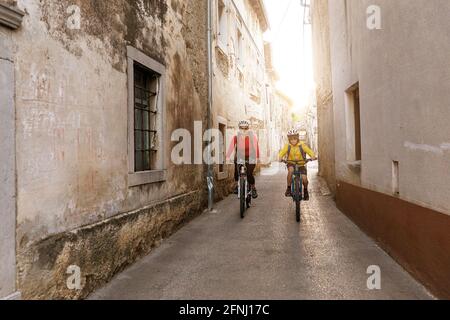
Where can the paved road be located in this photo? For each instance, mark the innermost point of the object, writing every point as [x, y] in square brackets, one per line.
[266, 256]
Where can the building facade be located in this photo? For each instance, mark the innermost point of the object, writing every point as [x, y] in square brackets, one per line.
[91, 92]
[389, 118]
[286, 120]
[311, 126]
[239, 76]
[324, 92]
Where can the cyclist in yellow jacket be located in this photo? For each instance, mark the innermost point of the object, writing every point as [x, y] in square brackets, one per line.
[296, 150]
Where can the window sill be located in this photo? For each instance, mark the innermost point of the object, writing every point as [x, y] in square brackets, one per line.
[147, 177]
[356, 165]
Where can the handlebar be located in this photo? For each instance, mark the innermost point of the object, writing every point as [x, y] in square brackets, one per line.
[297, 161]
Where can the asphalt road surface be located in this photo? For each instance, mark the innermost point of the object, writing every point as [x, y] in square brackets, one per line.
[268, 255]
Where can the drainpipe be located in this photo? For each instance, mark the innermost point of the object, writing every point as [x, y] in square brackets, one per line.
[210, 177]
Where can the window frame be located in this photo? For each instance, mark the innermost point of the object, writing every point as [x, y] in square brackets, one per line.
[222, 175]
[159, 174]
[353, 125]
[146, 131]
[240, 44]
[8, 169]
[220, 44]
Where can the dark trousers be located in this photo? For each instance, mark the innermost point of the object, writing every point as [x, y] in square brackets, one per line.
[250, 170]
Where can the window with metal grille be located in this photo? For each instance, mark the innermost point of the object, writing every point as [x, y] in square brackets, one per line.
[146, 94]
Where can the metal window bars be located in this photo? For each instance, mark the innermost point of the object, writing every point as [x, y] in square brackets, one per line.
[146, 95]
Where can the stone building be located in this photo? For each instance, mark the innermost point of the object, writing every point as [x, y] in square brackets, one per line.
[311, 126]
[90, 94]
[239, 74]
[324, 92]
[383, 112]
[274, 112]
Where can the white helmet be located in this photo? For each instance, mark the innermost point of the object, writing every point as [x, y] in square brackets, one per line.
[244, 124]
[293, 133]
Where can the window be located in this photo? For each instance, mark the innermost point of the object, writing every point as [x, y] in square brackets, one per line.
[223, 132]
[146, 87]
[353, 119]
[396, 178]
[222, 168]
[260, 72]
[240, 48]
[146, 110]
[222, 27]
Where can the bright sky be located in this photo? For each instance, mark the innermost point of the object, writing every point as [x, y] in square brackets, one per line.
[292, 51]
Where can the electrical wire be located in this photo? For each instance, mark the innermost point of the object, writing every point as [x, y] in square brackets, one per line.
[283, 20]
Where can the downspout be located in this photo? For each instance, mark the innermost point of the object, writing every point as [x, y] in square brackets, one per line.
[210, 177]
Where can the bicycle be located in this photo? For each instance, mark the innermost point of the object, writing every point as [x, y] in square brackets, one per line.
[244, 194]
[297, 186]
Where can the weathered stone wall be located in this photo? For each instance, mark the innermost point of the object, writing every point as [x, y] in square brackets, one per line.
[101, 250]
[234, 81]
[324, 91]
[74, 201]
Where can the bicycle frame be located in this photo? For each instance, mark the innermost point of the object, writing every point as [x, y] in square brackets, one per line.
[297, 180]
[244, 196]
[242, 175]
[297, 176]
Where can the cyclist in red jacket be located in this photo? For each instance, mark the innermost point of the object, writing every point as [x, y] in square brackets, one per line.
[245, 145]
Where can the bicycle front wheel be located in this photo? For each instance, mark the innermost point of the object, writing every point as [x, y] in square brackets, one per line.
[242, 198]
[297, 198]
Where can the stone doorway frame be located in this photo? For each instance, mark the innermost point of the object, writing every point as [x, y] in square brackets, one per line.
[10, 20]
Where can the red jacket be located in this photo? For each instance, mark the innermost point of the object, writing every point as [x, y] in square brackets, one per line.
[247, 145]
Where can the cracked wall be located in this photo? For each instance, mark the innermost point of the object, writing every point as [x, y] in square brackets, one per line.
[72, 132]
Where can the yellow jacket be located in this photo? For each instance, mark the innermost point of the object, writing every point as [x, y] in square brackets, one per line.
[296, 154]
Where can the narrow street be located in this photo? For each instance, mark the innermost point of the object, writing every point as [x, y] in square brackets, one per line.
[121, 120]
[267, 255]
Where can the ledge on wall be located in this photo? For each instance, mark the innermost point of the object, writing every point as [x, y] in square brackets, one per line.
[355, 166]
[11, 17]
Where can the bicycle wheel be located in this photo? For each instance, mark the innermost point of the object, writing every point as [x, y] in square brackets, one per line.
[242, 197]
[297, 198]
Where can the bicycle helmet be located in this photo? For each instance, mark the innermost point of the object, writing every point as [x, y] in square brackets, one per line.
[244, 124]
[293, 133]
